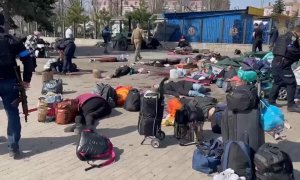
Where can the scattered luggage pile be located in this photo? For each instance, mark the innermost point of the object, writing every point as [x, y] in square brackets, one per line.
[239, 153]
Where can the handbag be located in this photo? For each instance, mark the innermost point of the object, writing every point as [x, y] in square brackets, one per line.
[54, 85]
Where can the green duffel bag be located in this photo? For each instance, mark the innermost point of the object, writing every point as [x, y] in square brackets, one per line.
[248, 76]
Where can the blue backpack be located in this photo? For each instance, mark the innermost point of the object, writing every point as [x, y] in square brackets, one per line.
[272, 118]
[238, 156]
[207, 156]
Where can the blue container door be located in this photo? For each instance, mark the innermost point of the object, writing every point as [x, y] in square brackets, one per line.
[211, 30]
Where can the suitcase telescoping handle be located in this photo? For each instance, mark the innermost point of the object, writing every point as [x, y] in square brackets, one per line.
[161, 87]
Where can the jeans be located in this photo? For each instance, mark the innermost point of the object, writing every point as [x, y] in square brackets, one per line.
[67, 64]
[283, 77]
[198, 90]
[9, 93]
[105, 46]
[257, 45]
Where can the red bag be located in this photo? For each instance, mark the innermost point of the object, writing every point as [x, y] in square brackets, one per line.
[65, 111]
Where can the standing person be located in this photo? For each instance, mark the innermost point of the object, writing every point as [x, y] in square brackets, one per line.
[68, 47]
[91, 108]
[106, 35]
[136, 39]
[31, 45]
[286, 52]
[10, 49]
[69, 33]
[273, 37]
[258, 38]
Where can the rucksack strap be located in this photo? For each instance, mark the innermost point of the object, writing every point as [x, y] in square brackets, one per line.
[112, 158]
[226, 153]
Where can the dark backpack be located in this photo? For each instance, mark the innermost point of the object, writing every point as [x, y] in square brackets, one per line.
[108, 93]
[92, 147]
[6, 57]
[207, 156]
[250, 64]
[237, 156]
[133, 101]
[188, 123]
[216, 119]
[273, 164]
[242, 98]
[122, 71]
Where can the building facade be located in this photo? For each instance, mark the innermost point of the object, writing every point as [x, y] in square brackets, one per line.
[154, 5]
[292, 8]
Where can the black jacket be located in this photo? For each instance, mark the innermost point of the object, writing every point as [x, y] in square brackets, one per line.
[17, 49]
[68, 46]
[288, 46]
[178, 88]
[273, 35]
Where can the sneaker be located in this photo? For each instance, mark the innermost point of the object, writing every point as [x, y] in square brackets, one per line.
[293, 108]
[15, 154]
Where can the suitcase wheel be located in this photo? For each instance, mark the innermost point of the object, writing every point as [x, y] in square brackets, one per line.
[155, 143]
[160, 135]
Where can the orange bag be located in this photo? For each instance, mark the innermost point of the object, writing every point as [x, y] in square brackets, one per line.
[66, 111]
[122, 93]
[174, 104]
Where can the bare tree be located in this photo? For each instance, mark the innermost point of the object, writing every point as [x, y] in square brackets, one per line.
[216, 5]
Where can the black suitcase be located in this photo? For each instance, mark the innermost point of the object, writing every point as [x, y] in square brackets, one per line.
[151, 115]
[243, 126]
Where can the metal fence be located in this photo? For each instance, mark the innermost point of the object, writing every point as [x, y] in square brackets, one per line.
[84, 30]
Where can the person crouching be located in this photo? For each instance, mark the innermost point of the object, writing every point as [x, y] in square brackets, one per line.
[91, 108]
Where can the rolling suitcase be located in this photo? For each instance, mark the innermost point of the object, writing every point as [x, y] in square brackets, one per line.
[151, 115]
[243, 126]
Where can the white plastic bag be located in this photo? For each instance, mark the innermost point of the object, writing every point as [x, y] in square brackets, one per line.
[228, 174]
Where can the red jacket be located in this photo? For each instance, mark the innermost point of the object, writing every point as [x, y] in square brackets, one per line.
[85, 97]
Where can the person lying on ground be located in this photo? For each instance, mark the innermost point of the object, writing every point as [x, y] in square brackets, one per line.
[92, 108]
[185, 88]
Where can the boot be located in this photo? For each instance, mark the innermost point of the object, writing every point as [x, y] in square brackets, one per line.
[293, 108]
[70, 128]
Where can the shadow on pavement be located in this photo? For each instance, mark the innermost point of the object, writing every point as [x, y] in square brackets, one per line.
[114, 113]
[111, 133]
[38, 145]
[69, 92]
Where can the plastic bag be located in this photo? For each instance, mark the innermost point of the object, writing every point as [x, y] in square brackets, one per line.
[272, 118]
[248, 76]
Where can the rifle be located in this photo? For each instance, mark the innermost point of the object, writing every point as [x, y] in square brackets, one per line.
[22, 92]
